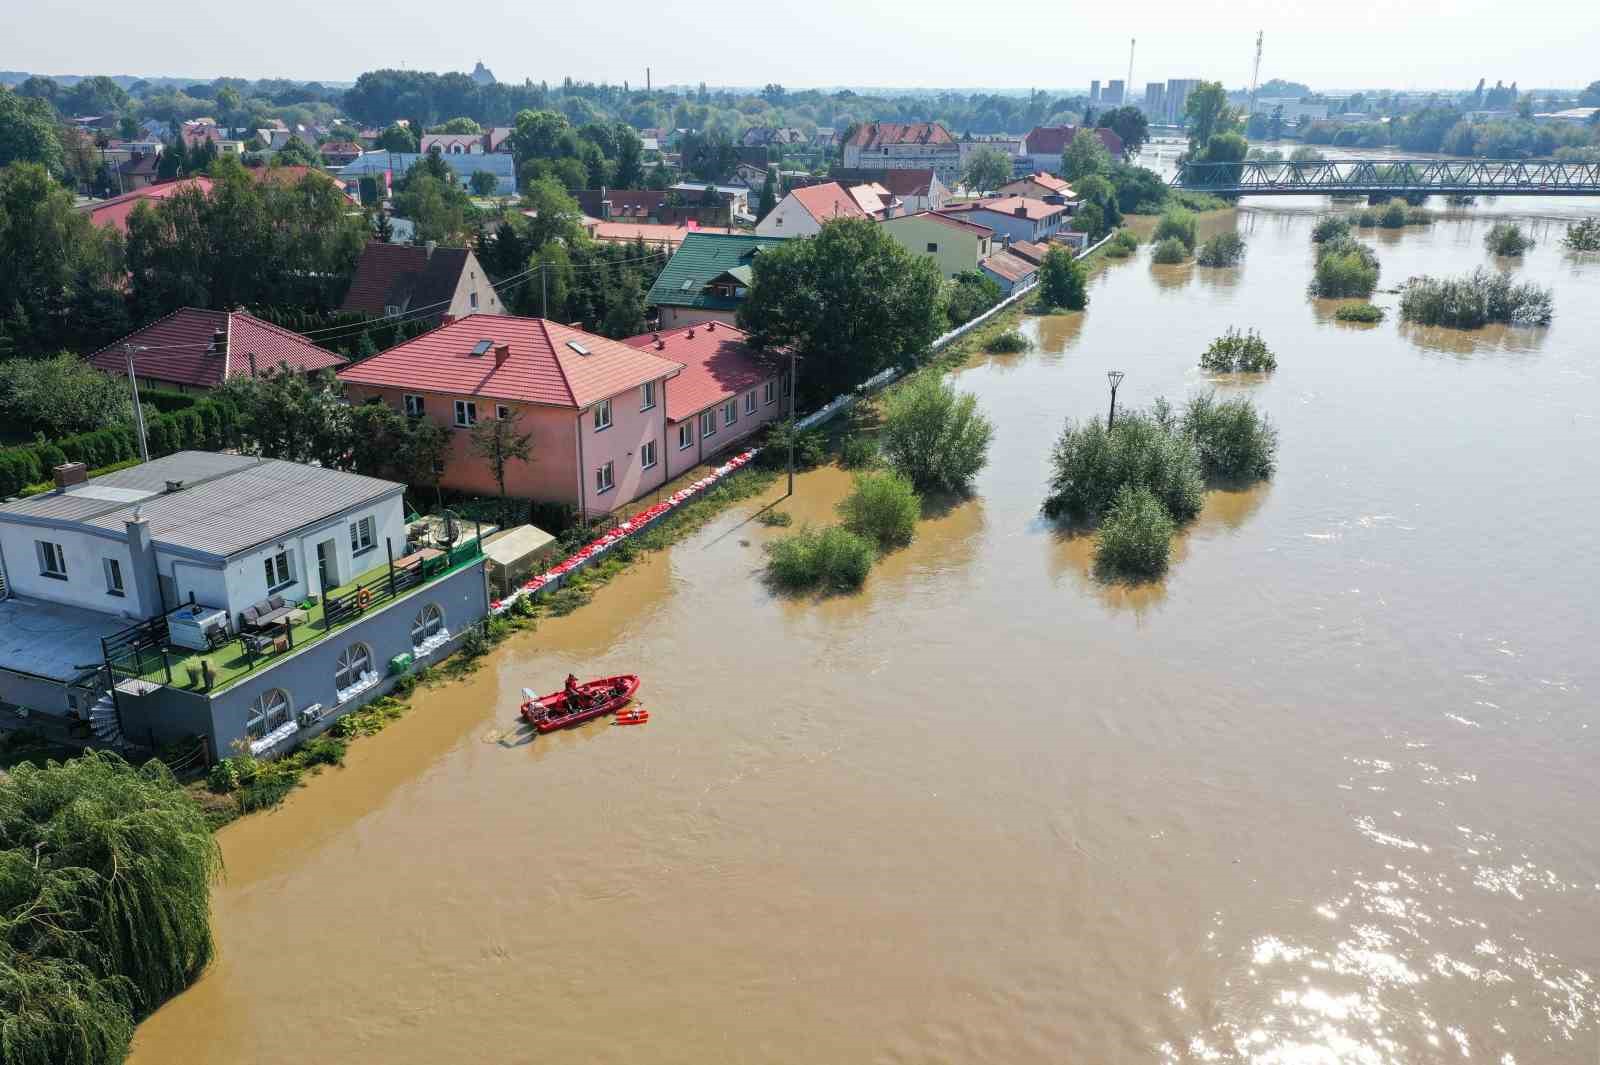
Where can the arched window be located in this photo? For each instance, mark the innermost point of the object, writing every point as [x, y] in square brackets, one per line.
[269, 711]
[427, 624]
[355, 661]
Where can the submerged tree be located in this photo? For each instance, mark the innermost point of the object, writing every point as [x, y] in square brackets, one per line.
[496, 441]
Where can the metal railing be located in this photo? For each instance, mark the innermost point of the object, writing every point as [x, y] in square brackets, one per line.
[1358, 177]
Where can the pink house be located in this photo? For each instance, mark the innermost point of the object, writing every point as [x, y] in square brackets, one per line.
[597, 408]
[727, 390]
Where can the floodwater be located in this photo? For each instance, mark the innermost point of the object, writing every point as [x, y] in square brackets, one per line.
[1325, 794]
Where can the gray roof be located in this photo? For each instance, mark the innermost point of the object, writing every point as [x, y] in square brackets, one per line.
[228, 503]
[51, 640]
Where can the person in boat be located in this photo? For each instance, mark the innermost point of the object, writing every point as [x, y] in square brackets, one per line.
[575, 693]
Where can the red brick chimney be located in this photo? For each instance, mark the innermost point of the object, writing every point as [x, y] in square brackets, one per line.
[70, 473]
[446, 319]
[502, 352]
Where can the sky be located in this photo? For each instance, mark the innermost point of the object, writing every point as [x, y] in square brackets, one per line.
[1407, 44]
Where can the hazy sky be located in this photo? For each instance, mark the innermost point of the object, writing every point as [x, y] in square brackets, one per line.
[1407, 43]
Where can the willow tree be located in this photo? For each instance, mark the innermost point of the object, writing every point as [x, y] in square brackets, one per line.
[105, 895]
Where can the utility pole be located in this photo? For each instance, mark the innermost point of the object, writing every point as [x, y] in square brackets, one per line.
[794, 430]
[130, 350]
[1115, 377]
[1255, 76]
[1127, 90]
[544, 294]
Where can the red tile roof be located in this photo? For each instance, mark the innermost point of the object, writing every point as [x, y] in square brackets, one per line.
[1028, 250]
[898, 182]
[115, 211]
[827, 201]
[1053, 140]
[178, 349]
[718, 364]
[542, 367]
[628, 232]
[876, 134]
[1044, 180]
[1013, 268]
[954, 223]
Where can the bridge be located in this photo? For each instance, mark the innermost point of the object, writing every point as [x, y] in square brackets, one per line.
[1394, 177]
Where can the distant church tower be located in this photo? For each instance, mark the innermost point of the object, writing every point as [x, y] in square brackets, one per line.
[482, 74]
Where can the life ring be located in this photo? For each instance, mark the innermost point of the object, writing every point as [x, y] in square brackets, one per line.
[364, 598]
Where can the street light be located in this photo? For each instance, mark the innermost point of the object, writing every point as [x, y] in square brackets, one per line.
[1115, 377]
[130, 350]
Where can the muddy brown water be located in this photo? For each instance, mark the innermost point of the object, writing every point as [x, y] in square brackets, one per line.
[1326, 794]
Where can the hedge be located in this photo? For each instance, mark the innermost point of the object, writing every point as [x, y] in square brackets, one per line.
[204, 423]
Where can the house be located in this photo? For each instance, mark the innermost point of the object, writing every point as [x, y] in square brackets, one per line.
[802, 212]
[1025, 249]
[455, 143]
[916, 189]
[1043, 146]
[115, 211]
[391, 166]
[1014, 217]
[753, 178]
[594, 407]
[726, 392]
[772, 136]
[904, 146]
[341, 153]
[707, 278]
[295, 585]
[1009, 270]
[655, 206]
[953, 242]
[194, 350]
[423, 282]
[1039, 185]
[735, 197]
[656, 236]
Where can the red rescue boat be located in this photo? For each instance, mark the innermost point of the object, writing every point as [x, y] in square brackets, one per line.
[595, 699]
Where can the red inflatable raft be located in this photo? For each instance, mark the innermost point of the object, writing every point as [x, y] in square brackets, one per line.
[596, 699]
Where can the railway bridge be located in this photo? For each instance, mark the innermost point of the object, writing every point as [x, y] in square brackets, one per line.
[1393, 177]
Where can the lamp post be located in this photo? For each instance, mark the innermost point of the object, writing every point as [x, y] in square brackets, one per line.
[130, 350]
[1115, 377]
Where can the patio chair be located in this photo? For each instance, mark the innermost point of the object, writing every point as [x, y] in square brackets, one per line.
[258, 645]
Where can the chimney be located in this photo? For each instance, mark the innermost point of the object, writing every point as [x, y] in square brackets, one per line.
[711, 327]
[430, 247]
[70, 473]
[691, 332]
[1021, 211]
[446, 319]
[502, 352]
[142, 553]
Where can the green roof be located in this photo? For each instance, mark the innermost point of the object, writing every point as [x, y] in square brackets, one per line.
[700, 259]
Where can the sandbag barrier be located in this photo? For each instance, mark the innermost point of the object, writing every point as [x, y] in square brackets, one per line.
[557, 575]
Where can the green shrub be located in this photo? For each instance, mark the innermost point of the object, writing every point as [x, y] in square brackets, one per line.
[1169, 252]
[1117, 251]
[834, 559]
[475, 643]
[883, 508]
[1224, 249]
[1231, 438]
[1330, 227]
[1474, 301]
[1090, 465]
[1368, 313]
[858, 451]
[1126, 239]
[1507, 239]
[780, 519]
[1136, 537]
[1393, 215]
[968, 295]
[269, 788]
[324, 750]
[934, 435]
[223, 777]
[1063, 281]
[1583, 236]
[1009, 342]
[1177, 223]
[1236, 352]
[810, 447]
[1345, 267]
[1367, 218]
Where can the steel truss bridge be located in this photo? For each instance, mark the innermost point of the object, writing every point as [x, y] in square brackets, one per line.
[1395, 177]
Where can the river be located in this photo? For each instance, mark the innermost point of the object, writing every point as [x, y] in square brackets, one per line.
[1325, 794]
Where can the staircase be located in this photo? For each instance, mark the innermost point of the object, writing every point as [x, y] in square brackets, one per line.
[105, 724]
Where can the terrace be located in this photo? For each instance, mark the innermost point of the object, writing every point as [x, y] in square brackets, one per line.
[144, 654]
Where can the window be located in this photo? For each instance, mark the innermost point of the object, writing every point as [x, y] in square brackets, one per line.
[784, 382]
[502, 412]
[354, 663]
[277, 570]
[777, 220]
[750, 402]
[604, 479]
[114, 577]
[685, 436]
[933, 249]
[602, 415]
[472, 300]
[647, 395]
[769, 392]
[413, 405]
[730, 413]
[390, 310]
[52, 560]
[269, 711]
[426, 625]
[466, 413]
[362, 535]
[708, 424]
[647, 455]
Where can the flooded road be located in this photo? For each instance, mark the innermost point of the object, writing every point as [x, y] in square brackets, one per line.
[1327, 794]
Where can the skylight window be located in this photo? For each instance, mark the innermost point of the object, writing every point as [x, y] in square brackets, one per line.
[482, 347]
[579, 348]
